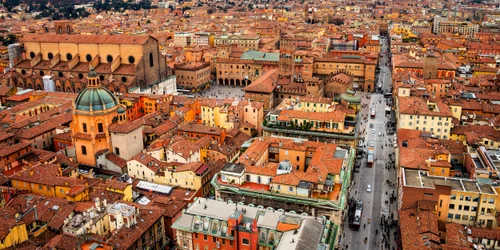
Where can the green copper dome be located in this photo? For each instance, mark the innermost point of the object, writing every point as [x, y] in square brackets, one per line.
[121, 110]
[95, 99]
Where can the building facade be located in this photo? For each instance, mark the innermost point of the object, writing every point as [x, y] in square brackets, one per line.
[59, 62]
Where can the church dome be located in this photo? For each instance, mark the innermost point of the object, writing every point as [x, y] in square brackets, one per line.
[95, 99]
[121, 110]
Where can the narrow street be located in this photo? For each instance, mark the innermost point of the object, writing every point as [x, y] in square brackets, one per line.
[373, 133]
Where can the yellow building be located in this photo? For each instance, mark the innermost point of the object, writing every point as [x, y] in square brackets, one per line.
[46, 180]
[14, 233]
[94, 110]
[424, 115]
[193, 176]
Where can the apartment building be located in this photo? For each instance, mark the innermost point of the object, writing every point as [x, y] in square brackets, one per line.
[424, 114]
[243, 41]
[464, 201]
[192, 75]
[222, 114]
[183, 39]
[211, 224]
[311, 117]
[300, 172]
[441, 25]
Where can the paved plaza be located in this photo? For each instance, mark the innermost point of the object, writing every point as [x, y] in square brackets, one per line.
[222, 91]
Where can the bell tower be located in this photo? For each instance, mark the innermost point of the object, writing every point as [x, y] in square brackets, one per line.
[287, 57]
[92, 80]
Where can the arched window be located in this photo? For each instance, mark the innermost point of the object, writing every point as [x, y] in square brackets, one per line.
[60, 30]
[109, 58]
[151, 61]
[32, 54]
[88, 57]
[69, 56]
[68, 29]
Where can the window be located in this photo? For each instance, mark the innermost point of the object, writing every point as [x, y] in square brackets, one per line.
[109, 58]
[459, 207]
[491, 201]
[450, 216]
[214, 239]
[473, 209]
[100, 128]
[151, 60]
[245, 241]
[205, 237]
[298, 158]
[196, 235]
[472, 218]
[453, 197]
[223, 241]
[279, 187]
[457, 216]
[88, 57]
[466, 208]
[117, 151]
[50, 55]
[84, 150]
[440, 203]
[61, 191]
[475, 199]
[290, 189]
[465, 217]
[484, 200]
[467, 198]
[84, 125]
[461, 197]
[69, 56]
[131, 59]
[452, 206]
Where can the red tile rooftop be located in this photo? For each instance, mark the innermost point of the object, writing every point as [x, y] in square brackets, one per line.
[246, 185]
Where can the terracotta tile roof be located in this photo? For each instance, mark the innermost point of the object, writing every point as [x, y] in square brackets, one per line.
[456, 236]
[419, 106]
[118, 185]
[82, 136]
[150, 162]
[485, 233]
[7, 149]
[266, 83]
[417, 228]
[85, 39]
[193, 166]
[117, 160]
[127, 127]
[125, 237]
[171, 207]
[66, 136]
[52, 124]
[184, 148]
[200, 129]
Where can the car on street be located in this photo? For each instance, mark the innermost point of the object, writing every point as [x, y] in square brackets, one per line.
[369, 188]
[371, 125]
[379, 133]
[373, 131]
[372, 144]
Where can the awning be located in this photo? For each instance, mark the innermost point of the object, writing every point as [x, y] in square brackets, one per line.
[202, 169]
